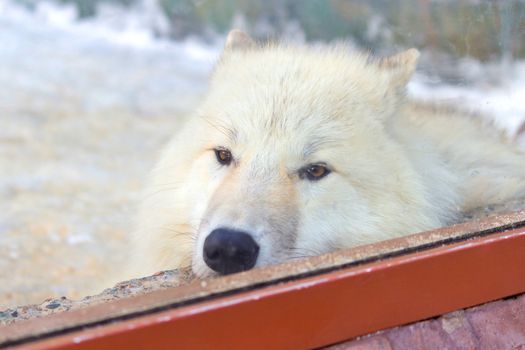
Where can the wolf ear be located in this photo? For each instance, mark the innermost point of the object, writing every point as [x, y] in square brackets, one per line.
[400, 67]
[238, 40]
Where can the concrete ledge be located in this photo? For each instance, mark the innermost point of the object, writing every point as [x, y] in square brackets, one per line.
[159, 281]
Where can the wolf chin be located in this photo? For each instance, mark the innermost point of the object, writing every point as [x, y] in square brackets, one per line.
[297, 151]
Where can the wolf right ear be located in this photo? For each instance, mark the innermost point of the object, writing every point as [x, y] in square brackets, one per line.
[238, 40]
[400, 66]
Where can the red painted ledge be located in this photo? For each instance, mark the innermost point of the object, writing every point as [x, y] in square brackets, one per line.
[327, 307]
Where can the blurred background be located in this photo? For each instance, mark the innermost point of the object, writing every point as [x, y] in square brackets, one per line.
[91, 89]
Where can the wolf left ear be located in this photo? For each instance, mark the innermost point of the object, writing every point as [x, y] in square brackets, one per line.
[238, 40]
[400, 66]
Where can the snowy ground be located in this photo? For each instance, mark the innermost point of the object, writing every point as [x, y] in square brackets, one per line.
[84, 107]
[82, 115]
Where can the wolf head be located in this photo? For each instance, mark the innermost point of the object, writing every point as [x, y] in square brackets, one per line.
[288, 156]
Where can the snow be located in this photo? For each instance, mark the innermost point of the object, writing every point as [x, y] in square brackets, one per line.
[85, 107]
[504, 103]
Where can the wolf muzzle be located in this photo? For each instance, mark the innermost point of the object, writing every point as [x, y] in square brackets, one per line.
[228, 251]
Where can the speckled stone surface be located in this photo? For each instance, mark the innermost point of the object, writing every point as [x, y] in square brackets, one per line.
[161, 280]
[480, 213]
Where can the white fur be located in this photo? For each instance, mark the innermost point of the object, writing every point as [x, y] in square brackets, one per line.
[397, 168]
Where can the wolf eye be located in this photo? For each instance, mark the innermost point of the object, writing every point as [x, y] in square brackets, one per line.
[314, 172]
[224, 156]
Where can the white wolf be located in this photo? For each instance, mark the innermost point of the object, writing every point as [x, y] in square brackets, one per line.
[298, 151]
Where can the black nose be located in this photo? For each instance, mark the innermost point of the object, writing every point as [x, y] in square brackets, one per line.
[228, 251]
